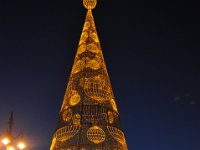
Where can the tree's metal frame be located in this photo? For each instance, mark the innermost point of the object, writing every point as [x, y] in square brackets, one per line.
[89, 119]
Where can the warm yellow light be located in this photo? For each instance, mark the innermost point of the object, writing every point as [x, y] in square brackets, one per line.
[5, 141]
[10, 148]
[21, 145]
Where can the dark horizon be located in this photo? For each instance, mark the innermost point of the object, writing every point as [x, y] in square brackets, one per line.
[152, 56]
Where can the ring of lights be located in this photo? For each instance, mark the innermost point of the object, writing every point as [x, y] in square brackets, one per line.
[67, 132]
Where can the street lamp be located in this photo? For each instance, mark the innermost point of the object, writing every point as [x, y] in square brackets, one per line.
[9, 141]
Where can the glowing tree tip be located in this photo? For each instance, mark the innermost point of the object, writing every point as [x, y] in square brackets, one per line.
[90, 4]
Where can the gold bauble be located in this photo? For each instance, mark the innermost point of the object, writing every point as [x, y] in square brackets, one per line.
[93, 48]
[75, 98]
[78, 66]
[81, 48]
[96, 135]
[93, 64]
[83, 38]
[95, 37]
[86, 26]
[67, 132]
[97, 88]
[90, 4]
[118, 135]
[76, 119]
[67, 114]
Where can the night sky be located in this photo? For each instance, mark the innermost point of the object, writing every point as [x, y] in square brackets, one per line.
[151, 49]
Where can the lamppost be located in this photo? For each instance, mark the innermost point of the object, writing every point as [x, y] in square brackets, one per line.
[9, 141]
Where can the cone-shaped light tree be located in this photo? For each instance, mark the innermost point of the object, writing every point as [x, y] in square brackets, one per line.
[89, 119]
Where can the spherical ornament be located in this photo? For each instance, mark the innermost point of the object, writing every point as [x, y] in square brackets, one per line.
[67, 132]
[97, 88]
[93, 64]
[76, 119]
[83, 38]
[94, 37]
[75, 98]
[78, 66]
[86, 26]
[93, 48]
[81, 48]
[90, 4]
[65, 107]
[118, 135]
[96, 135]
[67, 114]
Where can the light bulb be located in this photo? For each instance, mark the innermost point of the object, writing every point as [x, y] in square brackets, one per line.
[10, 148]
[5, 141]
[21, 145]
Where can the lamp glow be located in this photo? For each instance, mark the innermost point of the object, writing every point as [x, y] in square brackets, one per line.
[10, 148]
[5, 141]
[21, 145]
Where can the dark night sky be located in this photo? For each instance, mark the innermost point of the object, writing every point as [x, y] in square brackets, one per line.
[152, 54]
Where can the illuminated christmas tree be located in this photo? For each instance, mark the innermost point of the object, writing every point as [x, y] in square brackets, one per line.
[89, 119]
